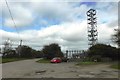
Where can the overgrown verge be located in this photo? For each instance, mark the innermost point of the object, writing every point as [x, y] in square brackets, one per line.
[115, 65]
[87, 63]
[43, 61]
[6, 60]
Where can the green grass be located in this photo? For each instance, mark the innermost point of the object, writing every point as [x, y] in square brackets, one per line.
[0, 59]
[87, 63]
[43, 61]
[6, 60]
[115, 66]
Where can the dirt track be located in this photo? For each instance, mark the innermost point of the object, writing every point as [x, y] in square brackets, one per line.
[32, 69]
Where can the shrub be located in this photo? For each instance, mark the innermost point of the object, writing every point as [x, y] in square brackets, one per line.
[96, 58]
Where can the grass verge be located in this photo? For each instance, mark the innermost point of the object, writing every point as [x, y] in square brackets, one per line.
[87, 63]
[0, 60]
[43, 61]
[6, 60]
[115, 66]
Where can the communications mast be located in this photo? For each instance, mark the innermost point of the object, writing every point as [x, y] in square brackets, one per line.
[92, 27]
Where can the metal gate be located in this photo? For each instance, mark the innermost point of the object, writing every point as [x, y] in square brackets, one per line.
[75, 55]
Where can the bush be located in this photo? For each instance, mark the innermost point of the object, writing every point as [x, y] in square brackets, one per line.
[102, 50]
[96, 58]
[10, 54]
[52, 50]
[106, 59]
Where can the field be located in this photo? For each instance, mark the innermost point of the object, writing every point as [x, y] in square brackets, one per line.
[6, 60]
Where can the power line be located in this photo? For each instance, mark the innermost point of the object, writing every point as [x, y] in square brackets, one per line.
[12, 18]
[13, 22]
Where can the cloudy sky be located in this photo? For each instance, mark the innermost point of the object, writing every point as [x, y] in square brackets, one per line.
[39, 23]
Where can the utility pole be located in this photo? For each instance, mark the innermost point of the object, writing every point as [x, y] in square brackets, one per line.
[19, 48]
[20, 42]
[92, 27]
[66, 53]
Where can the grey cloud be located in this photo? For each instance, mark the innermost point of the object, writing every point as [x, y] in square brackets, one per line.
[113, 24]
[70, 35]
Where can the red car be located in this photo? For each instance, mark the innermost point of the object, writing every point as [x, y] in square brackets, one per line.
[56, 60]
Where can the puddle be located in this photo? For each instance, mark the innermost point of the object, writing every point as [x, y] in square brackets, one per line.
[40, 72]
[86, 76]
[73, 71]
[52, 71]
[105, 71]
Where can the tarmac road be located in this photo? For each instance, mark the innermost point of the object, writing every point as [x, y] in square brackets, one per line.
[32, 69]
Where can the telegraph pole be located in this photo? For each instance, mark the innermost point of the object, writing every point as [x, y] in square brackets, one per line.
[19, 48]
[92, 27]
[20, 42]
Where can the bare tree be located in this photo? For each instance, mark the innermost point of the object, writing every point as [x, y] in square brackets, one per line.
[7, 47]
[116, 37]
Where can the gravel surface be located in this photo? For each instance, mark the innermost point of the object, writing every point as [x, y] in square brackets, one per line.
[32, 69]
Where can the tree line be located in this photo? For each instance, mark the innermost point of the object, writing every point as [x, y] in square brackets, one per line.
[102, 52]
[23, 51]
[105, 52]
[98, 51]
